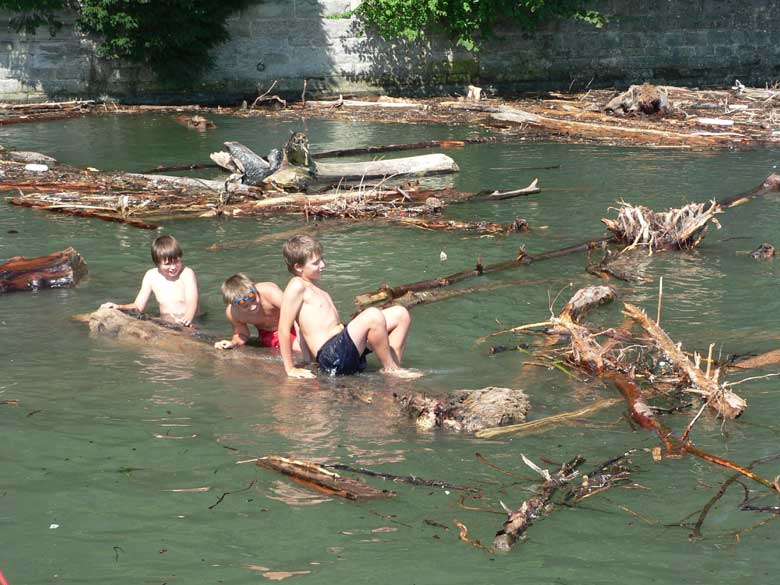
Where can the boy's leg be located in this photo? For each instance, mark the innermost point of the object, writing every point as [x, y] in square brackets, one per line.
[369, 329]
[398, 322]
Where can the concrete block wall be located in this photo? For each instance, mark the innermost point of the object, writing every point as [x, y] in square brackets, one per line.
[686, 42]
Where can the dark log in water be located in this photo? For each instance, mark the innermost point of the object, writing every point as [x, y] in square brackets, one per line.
[58, 270]
[321, 479]
[521, 519]
[411, 146]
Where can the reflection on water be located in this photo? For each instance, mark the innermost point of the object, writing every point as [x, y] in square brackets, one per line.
[93, 431]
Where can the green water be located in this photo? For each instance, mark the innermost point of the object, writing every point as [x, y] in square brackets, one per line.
[104, 432]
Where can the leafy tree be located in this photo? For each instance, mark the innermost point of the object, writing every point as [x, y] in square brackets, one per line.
[466, 20]
[173, 37]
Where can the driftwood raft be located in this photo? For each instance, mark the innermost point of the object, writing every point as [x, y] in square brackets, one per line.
[58, 270]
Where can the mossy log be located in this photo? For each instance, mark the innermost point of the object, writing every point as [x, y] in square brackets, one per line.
[58, 270]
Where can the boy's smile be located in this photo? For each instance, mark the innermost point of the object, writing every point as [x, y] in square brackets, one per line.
[312, 269]
[170, 268]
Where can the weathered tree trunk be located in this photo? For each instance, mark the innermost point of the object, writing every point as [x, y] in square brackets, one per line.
[426, 164]
[58, 270]
[321, 479]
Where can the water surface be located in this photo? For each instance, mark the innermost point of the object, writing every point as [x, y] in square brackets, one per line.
[104, 433]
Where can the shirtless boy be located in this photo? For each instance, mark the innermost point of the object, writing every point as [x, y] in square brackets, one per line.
[339, 350]
[252, 303]
[173, 285]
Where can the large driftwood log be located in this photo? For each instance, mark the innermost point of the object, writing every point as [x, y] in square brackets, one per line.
[58, 270]
[321, 479]
[719, 397]
[467, 410]
[417, 166]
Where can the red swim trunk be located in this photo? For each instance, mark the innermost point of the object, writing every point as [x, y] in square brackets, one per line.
[271, 338]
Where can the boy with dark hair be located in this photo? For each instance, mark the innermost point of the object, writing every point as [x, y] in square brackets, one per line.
[173, 285]
[339, 349]
[252, 303]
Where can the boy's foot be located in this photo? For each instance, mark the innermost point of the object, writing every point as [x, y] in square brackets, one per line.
[406, 374]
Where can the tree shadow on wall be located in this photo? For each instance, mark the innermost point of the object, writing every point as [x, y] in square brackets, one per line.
[409, 68]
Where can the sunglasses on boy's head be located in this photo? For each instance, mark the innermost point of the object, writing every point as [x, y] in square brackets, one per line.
[248, 298]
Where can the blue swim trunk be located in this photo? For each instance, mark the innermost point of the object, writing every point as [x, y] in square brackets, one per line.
[339, 356]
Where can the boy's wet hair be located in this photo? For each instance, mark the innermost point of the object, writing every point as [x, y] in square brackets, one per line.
[236, 287]
[165, 248]
[299, 249]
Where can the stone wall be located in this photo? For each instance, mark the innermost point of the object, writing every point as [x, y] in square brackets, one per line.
[684, 42]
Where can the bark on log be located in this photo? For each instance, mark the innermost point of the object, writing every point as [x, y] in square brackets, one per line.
[521, 519]
[321, 479]
[58, 270]
[726, 402]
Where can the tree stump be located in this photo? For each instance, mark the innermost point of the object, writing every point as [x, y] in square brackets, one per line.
[58, 270]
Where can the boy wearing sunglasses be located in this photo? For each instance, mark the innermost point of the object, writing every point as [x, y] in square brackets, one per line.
[252, 303]
[339, 349]
[173, 285]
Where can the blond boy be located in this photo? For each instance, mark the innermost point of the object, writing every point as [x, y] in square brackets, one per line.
[339, 349]
[173, 285]
[252, 303]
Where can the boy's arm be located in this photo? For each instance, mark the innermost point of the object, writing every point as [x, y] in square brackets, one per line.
[291, 306]
[190, 296]
[241, 333]
[141, 299]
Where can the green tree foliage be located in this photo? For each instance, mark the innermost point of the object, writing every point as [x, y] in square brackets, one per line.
[173, 37]
[466, 20]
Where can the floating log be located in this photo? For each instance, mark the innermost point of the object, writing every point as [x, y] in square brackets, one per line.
[320, 479]
[521, 519]
[381, 103]
[585, 300]
[61, 269]
[416, 166]
[480, 227]
[770, 185]
[82, 211]
[467, 410]
[386, 293]
[726, 402]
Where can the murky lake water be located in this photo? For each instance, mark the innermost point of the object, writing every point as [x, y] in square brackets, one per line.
[104, 434]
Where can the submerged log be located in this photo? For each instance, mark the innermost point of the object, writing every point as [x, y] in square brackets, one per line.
[58, 270]
[410, 146]
[467, 410]
[320, 479]
[521, 519]
[481, 227]
[141, 329]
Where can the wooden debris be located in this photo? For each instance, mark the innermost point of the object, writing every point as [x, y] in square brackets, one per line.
[718, 396]
[763, 252]
[675, 228]
[466, 410]
[585, 300]
[646, 98]
[544, 424]
[320, 479]
[520, 520]
[416, 166]
[481, 227]
[61, 269]
[410, 146]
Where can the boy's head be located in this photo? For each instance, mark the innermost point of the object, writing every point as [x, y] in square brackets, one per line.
[236, 288]
[165, 248]
[299, 249]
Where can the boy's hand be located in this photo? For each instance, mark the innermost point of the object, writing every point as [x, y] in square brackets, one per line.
[224, 344]
[300, 373]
